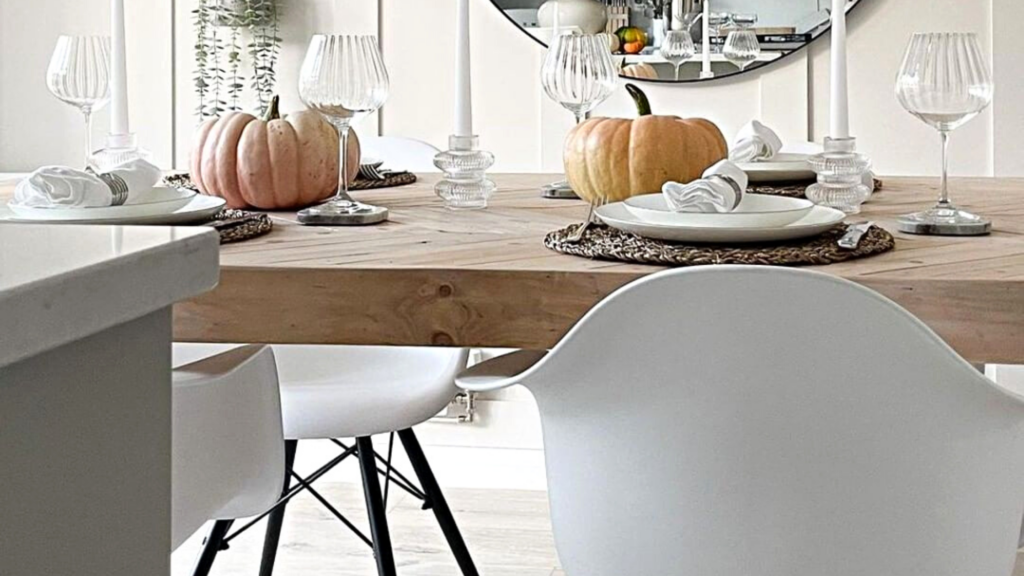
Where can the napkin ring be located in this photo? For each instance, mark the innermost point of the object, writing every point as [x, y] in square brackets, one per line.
[118, 187]
[734, 185]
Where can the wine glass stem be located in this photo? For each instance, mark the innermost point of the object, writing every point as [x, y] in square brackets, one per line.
[944, 187]
[88, 134]
[342, 195]
[677, 72]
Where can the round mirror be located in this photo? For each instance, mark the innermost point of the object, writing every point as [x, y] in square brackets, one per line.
[663, 40]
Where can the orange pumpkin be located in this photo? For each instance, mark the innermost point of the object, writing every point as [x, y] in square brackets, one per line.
[640, 71]
[611, 159]
[632, 39]
[270, 163]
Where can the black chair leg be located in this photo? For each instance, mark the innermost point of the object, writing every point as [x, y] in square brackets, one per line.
[211, 546]
[436, 499]
[375, 508]
[276, 519]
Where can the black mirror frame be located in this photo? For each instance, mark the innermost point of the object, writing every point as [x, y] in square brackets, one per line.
[695, 80]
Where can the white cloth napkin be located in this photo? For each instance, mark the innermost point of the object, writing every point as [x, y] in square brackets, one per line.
[63, 187]
[720, 189]
[755, 142]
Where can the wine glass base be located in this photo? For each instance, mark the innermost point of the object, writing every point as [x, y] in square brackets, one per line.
[948, 221]
[342, 214]
[559, 191]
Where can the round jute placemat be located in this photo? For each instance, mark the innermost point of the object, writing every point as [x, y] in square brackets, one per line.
[792, 189]
[601, 242]
[390, 181]
[239, 225]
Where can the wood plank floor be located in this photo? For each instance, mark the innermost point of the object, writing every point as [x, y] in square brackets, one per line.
[508, 532]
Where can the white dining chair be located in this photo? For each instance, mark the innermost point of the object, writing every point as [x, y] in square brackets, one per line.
[338, 392]
[753, 420]
[227, 439]
[400, 153]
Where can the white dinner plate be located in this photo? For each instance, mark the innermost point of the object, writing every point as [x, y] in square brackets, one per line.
[754, 211]
[161, 200]
[198, 209]
[817, 221]
[784, 167]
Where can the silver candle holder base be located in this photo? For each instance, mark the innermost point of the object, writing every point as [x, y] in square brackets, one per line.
[465, 185]
[120, 148]
[841, 176]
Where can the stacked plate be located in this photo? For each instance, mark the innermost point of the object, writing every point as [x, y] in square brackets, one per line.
[161, 205]
[783, 167]
[758, 218]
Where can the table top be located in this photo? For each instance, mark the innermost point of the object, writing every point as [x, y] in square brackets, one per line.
[432, 276]
[483, 278]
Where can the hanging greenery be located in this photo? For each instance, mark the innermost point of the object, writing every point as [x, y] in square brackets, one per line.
[222, 26]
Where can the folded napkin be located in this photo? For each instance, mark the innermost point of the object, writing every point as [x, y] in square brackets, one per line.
[755, 143]
[63, 187]
[720, 189]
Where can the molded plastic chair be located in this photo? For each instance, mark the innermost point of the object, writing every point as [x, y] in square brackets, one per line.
[747, 420]
[227, 439]
[333, 392]
[399, 153]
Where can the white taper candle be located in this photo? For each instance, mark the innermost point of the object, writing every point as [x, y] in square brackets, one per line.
[118, 70]
[706, 40]
[839, 125]
[463, 82]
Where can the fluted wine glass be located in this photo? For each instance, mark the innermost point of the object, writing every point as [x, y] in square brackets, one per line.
[344, 78]
[79, 75]
[742, 48]
[677, 48]
[578, 73]
[945, 82]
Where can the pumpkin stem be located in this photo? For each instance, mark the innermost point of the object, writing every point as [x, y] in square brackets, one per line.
[643, 105]
[273, 110]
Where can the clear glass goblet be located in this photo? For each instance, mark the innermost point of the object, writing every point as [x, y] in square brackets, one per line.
[677, 48]
[79, 75]
[578, 73]
[343, 78]
[945, 82]
[742, 48]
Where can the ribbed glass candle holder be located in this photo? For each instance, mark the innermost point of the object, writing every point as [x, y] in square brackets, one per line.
[465, 185]
[841, 175]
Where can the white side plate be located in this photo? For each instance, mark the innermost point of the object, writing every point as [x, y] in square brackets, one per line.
[785, 167]
[754, 211]
[197, 209]
[817, 221]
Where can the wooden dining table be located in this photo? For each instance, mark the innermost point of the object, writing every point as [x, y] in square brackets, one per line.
[436, 277]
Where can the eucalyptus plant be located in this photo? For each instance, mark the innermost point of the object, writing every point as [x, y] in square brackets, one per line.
[226, 30]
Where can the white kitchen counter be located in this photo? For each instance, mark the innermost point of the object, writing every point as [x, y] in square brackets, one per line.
[61, 283]
[85, 393]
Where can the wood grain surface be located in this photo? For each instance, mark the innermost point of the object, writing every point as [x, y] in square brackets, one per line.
[483, 278]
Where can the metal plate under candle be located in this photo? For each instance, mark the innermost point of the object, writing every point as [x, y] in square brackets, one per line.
[365, 215]
[559, 191]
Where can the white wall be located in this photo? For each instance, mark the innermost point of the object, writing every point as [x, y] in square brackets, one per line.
[35, 127]
[513, 117]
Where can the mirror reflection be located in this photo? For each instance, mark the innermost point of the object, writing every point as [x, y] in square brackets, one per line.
[664, 40]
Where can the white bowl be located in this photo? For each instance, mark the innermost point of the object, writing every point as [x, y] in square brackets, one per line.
[754, 211]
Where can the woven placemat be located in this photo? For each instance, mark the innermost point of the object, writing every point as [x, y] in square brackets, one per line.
[792, 189]
[239, 225]
[390, 180]
[601, 242]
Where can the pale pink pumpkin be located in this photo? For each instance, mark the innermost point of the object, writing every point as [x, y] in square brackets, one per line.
[270, 163]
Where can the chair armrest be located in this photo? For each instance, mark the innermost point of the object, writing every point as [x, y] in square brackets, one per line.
[500, 372]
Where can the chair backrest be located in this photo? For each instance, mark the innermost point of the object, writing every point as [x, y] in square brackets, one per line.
[227, 439]
[747, 420]
[400, 153]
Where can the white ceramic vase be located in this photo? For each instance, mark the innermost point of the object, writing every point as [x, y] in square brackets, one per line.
[590, 16]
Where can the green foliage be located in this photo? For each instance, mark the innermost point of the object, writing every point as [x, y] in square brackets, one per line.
[222, 26]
